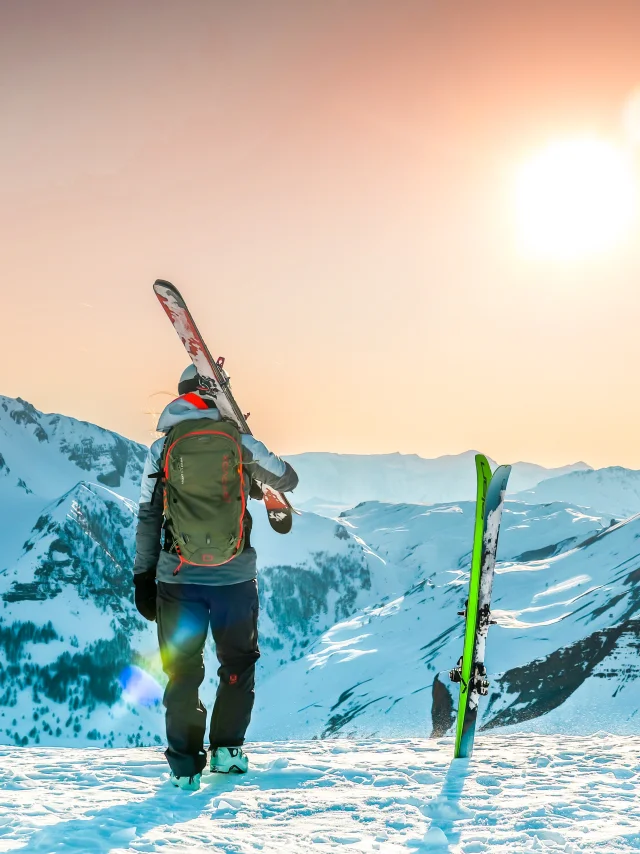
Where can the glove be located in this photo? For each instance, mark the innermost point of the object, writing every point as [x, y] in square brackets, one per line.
[145, 594]
[255, 491]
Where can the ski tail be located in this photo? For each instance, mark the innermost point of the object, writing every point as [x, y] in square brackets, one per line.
[483, 476]
[278, 510]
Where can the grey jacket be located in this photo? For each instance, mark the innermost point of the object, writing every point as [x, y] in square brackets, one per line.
[258, 462]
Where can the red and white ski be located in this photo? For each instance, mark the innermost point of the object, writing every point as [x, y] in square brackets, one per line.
[279, 510]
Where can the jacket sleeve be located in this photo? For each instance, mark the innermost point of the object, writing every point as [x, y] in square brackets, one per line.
[267, 467]
[150, 516]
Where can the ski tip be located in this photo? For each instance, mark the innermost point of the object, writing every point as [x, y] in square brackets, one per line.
[501, 474]
[163, 284]
[164, 289]
[483, 469]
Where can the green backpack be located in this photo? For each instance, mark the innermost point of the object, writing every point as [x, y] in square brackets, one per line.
[204, 494]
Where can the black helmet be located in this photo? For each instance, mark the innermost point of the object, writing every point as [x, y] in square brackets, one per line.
[189, 380]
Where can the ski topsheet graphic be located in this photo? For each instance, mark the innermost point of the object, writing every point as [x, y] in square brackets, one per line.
[471, 672]
[278, 508]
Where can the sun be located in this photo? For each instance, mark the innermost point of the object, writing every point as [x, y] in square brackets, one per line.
[575, 198]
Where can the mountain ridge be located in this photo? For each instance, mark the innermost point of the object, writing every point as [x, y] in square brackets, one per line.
[358, 620]
[615, 489]
[342, 480]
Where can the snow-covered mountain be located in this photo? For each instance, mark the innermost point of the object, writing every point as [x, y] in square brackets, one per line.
[80, 661]
[614, 490]
[45, 454]
[358, 623]
[77, 662]
[333, 482]
[563, 657]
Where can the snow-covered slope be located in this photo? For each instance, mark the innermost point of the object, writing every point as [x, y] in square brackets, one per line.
[518, 794]
[338, 481]
[77, 662]
[44, 456]
[613, 490]
[563, 657]
[358, 622]
[47, 454]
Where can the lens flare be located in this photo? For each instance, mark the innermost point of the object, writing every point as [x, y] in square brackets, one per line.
[139, 687]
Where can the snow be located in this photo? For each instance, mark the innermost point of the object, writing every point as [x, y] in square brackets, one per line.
[516, 794]
[358, 628]
[358, 621]
[374, 673]
[614, 490]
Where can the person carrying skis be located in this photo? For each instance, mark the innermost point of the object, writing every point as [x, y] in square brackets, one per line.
[195, 567]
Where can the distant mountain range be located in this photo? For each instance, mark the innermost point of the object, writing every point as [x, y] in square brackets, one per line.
[331, 482]
[358, 624]
[614, 489]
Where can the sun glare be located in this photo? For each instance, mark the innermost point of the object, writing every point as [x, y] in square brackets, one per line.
[575, 198]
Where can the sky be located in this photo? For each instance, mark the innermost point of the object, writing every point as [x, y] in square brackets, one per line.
[333, 188]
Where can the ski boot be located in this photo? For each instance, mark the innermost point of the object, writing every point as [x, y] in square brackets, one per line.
[187, 784]
[229, 760]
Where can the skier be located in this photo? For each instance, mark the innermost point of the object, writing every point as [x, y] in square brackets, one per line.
[186, 597]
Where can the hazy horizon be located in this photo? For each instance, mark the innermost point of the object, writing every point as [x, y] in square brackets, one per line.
[333, 188]
[329, 452]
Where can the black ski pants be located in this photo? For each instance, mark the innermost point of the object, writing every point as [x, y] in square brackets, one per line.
[185, 612]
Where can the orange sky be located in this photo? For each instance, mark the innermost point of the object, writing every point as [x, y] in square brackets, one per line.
[329, 184]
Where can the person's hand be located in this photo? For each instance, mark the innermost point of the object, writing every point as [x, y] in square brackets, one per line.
[145, 594]
[256, 490]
